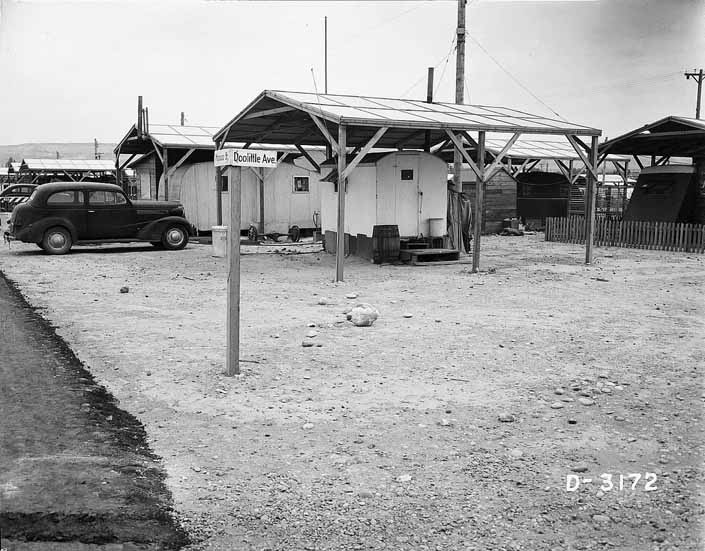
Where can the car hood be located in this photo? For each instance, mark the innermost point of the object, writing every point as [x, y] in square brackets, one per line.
[165, 207]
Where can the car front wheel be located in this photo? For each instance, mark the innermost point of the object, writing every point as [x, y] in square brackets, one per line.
[174, 237]
[57, 241]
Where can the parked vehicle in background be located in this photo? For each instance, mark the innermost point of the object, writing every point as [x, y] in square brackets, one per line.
[14, 195]
[59, 215]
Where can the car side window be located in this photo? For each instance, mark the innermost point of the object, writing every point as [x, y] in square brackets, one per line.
[106, 198]
[67, 197]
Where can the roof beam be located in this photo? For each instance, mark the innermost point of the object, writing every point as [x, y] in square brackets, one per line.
[267, 112]
[327, 135]
[498, 159]
[156, 149]
[459, 146]
[180, 162]
[401, 143]
[365, 150]
[308, 157]
[576, 143]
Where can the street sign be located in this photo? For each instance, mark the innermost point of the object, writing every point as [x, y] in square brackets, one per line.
[245, 157]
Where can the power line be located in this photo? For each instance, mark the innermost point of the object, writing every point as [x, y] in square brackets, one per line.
[516, 80]
[444, 59]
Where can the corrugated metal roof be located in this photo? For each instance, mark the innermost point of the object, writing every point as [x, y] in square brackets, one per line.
[539, 147]
[375, 111]
[69, 165]
[189, 137]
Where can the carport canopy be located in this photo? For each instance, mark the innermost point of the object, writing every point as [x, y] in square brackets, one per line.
[672, 136]
[357, 124]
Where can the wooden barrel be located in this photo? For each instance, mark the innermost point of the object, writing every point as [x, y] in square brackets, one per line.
[385, 243]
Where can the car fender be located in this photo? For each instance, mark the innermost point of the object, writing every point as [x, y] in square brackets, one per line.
[35, 233]
[153, 231]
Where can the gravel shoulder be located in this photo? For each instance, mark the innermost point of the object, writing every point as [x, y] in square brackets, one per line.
[454, 428]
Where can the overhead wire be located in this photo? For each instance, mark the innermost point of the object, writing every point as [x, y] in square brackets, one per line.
[510, 75]
[444, 59]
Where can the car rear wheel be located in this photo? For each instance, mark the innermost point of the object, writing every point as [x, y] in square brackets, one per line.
[175, 237]
[57, 240]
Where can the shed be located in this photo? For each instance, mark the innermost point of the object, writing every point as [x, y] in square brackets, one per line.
[365, 122]
[273, 199]
[40, 171]
[667, 138]
[500, 198]
[403, 188]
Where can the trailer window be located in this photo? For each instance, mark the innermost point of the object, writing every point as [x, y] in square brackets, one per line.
[223, 183]
[301, 184]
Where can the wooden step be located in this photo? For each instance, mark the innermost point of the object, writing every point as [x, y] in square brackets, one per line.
[418, 257]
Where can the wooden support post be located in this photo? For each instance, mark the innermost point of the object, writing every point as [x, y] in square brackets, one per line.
[218, 191]
[479, 201]
[233, 322]
[261, 201]
[590, 202]
[340, 248]
[166, 174]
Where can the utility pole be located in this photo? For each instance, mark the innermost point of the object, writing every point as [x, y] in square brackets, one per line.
[325, 54]
[96, 153]
[698, 77]
[182, 118]
[459, 98]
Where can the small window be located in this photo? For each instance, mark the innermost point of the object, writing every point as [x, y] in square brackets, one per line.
[106, 198]
[301, 184]
[407, 174]
[223, 183]
[63, 198]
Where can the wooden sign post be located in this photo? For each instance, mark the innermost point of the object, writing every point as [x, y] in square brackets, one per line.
[235, 159]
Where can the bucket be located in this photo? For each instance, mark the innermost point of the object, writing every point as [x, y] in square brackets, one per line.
[385, 243]
[436, 227]
[220, 240]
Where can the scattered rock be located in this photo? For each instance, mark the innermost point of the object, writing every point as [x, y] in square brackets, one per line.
[311, 325]
[408, 315]
[567, 399]
[351, 295]
[586, 401]
[323, 301]
[445, 422]
[124, 289]
[363, 315]
[559, 391]
[507, 418]
[619, 418]
[365, 494]
[306, 344]
[404, 478]
[557, 405]
[516, 452]
[312, 334]
[572, 421]
[601, 519]
[584, 393]
[307, 426]
[579, 468]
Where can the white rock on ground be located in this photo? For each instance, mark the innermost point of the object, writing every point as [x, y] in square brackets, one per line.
[363, 315]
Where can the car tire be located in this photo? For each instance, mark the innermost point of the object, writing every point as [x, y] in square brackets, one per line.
[174, 237]
[57, 240]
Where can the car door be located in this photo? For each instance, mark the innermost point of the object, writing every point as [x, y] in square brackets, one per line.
[110, 215]
[69, 205]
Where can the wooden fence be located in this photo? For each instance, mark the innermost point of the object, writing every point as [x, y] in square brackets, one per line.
[609, 232]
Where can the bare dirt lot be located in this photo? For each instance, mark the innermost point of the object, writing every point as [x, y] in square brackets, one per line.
[452, 423]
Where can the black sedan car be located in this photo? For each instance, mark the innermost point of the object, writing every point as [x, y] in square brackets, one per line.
[60, 214]
[14, 195]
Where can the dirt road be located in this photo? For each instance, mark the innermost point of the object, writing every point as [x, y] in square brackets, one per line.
[455, 422]
[75, 467]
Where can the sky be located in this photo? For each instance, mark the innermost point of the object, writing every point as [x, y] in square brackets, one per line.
[72, 71]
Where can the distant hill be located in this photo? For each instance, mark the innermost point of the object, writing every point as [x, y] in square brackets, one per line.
[49, 150]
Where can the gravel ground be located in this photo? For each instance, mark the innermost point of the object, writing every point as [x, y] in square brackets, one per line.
[454, 422]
